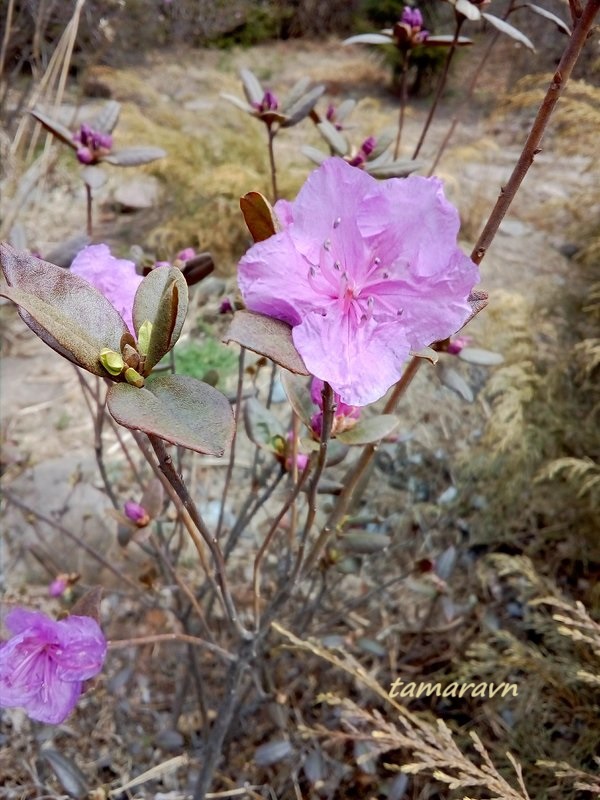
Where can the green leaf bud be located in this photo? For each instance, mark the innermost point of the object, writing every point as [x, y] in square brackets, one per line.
[144, 336]
[112, 361]
[134, 378]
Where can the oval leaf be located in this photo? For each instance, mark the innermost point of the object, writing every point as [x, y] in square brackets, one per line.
[476, 355]
[370, 430]
[106, 120]
[467, 9]
[302, 107]
[64, 310]
[509, 30]
[456, 383]
[393, 169]
[162, 298]
[267, 336]
[262, 426]
[298, 90]
[94, 177]
[56, 129]
[176, 408]
[258, 216]
[68, 773]
[197, 268]
[447, 41]
[231, 98]
[298, 394]
[364, 542]
[369, 38]
[252, 88]
[134, 156]
[333, 137]
[318, 156]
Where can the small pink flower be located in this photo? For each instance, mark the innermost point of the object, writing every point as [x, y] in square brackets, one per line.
[364, 271]
[116, 278]
[344, 415]
[186, 254]
[301, 458]
[44, 663]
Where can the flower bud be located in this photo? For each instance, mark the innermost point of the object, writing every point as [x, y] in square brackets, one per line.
[134, 378]
[112, 361]
[144, 336]
[58, 586]
[136, 513]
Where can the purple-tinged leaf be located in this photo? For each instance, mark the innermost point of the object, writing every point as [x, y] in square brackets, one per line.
[369, 38]
[262, 426]
[178, 409]
[509, 30]
[106, 119]
[552, 17]
[369, 430]
[55, 128]
[162, 299]
[231, 98]
[259, 216]
[64, 310]
[333, 137]
[446, 41]
[197, 268]
[252, 87]
[134, 156]
[267, 336]
[302, 107]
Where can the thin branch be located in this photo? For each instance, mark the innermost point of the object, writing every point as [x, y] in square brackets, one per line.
[231, 464]
[156, 638]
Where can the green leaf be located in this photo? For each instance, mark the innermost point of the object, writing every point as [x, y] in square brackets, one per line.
[447, 41]
[509, 30]
[372, 429]
[252, 88]
[231, 98]
[258, 216]
[134, 156]
[267, 336]
[161, 298]
[392, 169]
[318, 156]
[298, 394]
[64, 310]
[455, 382]
[176, 408]
[262, 426]
[56, 128]
[297, 91]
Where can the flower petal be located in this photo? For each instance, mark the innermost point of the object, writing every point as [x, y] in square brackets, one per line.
[55, 700]
[82, 649]
[116, 278]
[360, 361]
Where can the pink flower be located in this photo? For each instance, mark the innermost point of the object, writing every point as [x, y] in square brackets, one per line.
[92, 145]
[136, 513]
[412, 17]
[364, 271]
[116, 278]
[344, 416]
[458, 343]
[43, 665]
[58, 586]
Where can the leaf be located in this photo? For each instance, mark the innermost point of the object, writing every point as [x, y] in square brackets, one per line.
[393, 169]
[176, 408]
[298, 394]
[94, 177]
[364, 542]
[382, 141]
[297, 91]
[231, 98]
[64, 310]
[467, 9]
[107, 118]
[509, 30]
[318, 156]
[153, 498]
[161, 298]
[455, 382]
[197, 268]
[68, 773]
[372, 429]
[344, 109]
[55, 128]
[272, 752]
[252, 88]
[446, 41]
[549, 15]
[262, 426]
[63, 254]
[478, 301]
[302, 107]
[134, 156]
[333, 137]
[258, 216]
[476, 355]
[267, 336]
[369, 38]
[89, 604]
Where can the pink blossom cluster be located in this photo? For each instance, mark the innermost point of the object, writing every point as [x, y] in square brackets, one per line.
[92, 145]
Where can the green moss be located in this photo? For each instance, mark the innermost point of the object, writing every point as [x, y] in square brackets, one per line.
[197, 359]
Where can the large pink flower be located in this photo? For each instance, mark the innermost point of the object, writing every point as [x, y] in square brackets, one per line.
[115, 278]
[365, 271]
[43, 665]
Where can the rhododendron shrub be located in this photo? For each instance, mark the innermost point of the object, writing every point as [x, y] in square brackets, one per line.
[365, 272]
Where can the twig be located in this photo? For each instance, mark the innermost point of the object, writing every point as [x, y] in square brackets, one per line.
[532, 144]
[272, 133]
[156, 638]
[231, 464]
[403, 99]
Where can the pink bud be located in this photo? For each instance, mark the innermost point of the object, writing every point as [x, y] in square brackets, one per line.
[186, 255]
[57, 587]
[136, 513]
